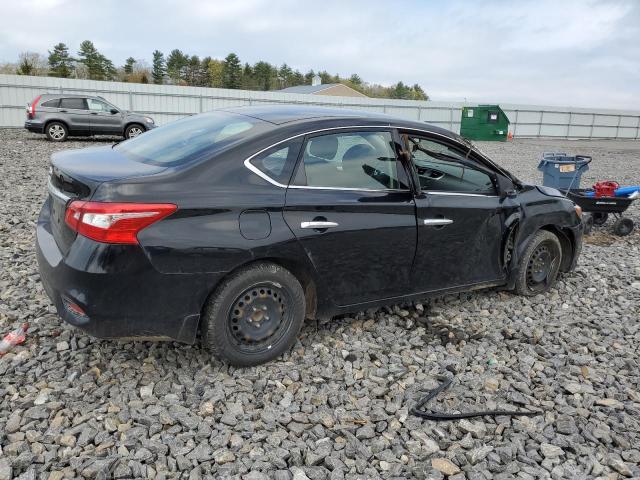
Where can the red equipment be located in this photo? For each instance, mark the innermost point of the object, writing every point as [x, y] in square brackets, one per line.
[605, 189]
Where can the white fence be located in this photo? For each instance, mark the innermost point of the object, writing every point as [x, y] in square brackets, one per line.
[169, 102]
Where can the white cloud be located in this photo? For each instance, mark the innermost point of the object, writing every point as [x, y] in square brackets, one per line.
[565, 52]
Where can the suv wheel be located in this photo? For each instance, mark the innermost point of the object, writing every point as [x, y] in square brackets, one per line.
[57, 132]
[133, 131]
[254, 316]
[540, 264]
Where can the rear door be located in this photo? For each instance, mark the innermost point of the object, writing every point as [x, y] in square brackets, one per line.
[75, 113]
[102, 120]
[351, 209]
[459, 216]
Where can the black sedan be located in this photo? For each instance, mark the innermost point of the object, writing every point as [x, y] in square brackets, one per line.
[238, 224]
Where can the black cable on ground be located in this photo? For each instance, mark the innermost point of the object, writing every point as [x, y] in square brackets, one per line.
[438, 416]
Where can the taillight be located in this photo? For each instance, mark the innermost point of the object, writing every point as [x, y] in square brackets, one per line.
[31, 109]
[114, 222]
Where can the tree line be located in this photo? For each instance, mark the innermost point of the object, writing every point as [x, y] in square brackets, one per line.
[179, 68]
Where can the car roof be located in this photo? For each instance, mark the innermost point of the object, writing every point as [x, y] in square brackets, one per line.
[300, 114]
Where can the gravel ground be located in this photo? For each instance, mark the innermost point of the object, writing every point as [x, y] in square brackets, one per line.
[337, 405]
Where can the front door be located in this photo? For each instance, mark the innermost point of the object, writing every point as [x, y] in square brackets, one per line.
[459, 216]
[350, 208]
[103, 122]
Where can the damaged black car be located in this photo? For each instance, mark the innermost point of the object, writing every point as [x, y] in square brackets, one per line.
[234, 226]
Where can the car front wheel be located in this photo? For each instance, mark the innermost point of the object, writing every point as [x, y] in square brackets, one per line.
[133, 131]
[539, 265]
[57, 132]
[254, 316]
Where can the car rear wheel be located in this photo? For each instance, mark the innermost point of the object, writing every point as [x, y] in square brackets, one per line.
[57, 132]
[539, 265]
[133, 131]
[254, 316]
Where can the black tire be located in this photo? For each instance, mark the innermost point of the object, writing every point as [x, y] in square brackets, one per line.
[57, 131]
[600, 218]
[623, 227]
[133, 130]
[539, 266]
[245, 337]
[588, 222]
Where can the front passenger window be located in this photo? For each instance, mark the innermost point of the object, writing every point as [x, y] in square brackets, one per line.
[98, 106]
[439, 169]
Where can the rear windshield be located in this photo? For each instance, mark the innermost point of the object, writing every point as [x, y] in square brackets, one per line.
[190, 139]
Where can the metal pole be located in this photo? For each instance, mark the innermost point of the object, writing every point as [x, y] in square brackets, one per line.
[540, 124]
[593, 122]
[569, 125]
[618, 126]
[130, 101]
[515, 124]
[200, 103]
[451, 119]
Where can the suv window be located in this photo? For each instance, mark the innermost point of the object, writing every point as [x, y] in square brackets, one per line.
[98, 105]
[278, 162]
[439, 169]
[52, 103]
[350, 160]
[73, 103]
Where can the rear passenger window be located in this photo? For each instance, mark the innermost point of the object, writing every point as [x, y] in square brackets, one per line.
[52, 103]
[358, 160]
[73, 103]
[278, 162]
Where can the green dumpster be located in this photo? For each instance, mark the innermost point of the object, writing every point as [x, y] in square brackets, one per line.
[484, 122]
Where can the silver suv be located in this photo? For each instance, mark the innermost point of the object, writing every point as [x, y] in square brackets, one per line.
[59, 116]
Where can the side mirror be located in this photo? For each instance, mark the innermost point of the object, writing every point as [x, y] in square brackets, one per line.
[114, 111]
[506, 188]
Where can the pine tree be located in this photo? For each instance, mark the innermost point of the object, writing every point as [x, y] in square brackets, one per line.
[158, 67]
[232, 73]
[92, 59]
[176, 65]
[263, 73]
[128, 65]
[60, 63]
[285, 75]
[355, 79]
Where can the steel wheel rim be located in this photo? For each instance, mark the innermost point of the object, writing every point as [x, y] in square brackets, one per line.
[56, 131]
[259, 317]
[541, 266]
[134, 132]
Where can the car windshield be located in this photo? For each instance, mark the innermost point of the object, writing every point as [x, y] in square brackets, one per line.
[190, 139]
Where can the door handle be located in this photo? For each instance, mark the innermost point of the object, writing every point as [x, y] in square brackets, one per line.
[434, 222]
[63, 111]
[317, 225]
[94, 113]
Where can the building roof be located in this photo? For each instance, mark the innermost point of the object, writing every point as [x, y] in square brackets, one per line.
[332, 89]
[309, 88]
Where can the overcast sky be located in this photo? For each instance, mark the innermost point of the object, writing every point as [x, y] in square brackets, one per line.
[547, 52]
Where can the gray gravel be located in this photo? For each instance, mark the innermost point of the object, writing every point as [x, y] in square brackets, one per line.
[337, 405]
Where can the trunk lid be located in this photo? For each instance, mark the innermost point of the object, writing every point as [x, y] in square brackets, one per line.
[76, 174]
